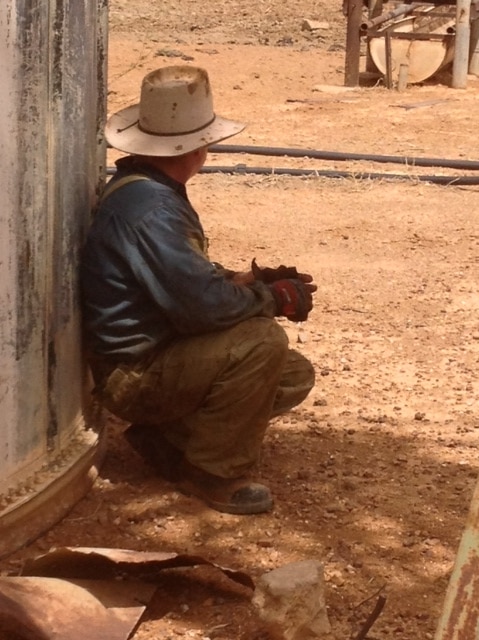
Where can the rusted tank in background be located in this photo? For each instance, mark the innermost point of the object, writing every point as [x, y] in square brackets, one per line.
[52, 103]
[428, 45]
[411, 41]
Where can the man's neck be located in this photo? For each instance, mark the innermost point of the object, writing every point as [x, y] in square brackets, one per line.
[176, 168]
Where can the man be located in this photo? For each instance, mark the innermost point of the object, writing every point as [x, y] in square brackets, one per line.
[186, 350]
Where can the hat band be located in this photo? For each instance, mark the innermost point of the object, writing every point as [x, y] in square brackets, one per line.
[180, 133]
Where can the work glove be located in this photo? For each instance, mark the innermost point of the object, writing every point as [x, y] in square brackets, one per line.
[269, 275]
[293, 298]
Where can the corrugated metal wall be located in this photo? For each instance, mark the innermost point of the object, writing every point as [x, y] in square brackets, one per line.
[52, 105]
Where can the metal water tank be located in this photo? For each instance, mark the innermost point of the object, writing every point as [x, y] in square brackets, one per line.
[52, 105]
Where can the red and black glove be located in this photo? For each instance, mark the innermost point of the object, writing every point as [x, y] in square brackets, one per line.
[293, 298]
[269, 275]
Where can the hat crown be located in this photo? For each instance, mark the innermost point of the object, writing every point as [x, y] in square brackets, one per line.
[175, 101]
[174, 116]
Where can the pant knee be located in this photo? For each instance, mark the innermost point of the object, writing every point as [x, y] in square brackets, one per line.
[261, 334]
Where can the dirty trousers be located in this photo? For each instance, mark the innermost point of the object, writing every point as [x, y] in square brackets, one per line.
[212, 395]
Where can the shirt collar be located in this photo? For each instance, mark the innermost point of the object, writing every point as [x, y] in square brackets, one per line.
[132, 164]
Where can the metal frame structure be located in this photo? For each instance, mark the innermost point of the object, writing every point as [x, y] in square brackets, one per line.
[358, 28]
[460, 615]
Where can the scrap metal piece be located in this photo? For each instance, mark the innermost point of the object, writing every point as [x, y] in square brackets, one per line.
[73, 593]
[33, 608]
[92, 563]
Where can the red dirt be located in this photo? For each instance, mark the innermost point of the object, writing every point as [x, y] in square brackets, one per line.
[373, 475]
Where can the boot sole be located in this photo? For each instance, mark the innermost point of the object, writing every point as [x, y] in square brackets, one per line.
[228, 507]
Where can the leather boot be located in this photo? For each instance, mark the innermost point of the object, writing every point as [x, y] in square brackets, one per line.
[237, 496]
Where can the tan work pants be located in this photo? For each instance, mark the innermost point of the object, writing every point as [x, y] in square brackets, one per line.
[212, 395]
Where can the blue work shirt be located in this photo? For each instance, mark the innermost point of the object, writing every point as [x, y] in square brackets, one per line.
[145, 273]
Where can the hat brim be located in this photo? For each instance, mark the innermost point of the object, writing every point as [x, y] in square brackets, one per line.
[122, 133]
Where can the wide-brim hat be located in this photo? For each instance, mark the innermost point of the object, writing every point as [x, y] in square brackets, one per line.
[175, 115]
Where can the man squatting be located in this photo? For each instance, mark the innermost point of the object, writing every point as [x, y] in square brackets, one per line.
[185, 350]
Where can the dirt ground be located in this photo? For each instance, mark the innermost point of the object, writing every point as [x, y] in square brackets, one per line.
[374, 473]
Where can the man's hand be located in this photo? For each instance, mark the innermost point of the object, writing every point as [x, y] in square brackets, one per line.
[293, 297]
[292, 291]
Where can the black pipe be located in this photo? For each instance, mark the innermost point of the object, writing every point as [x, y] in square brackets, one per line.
[442, 180]
[242, 169]
[471, 165]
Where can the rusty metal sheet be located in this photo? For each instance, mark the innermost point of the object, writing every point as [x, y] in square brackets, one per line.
[73, 593]
[34, 608]
[91, 563]
[460, 616]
